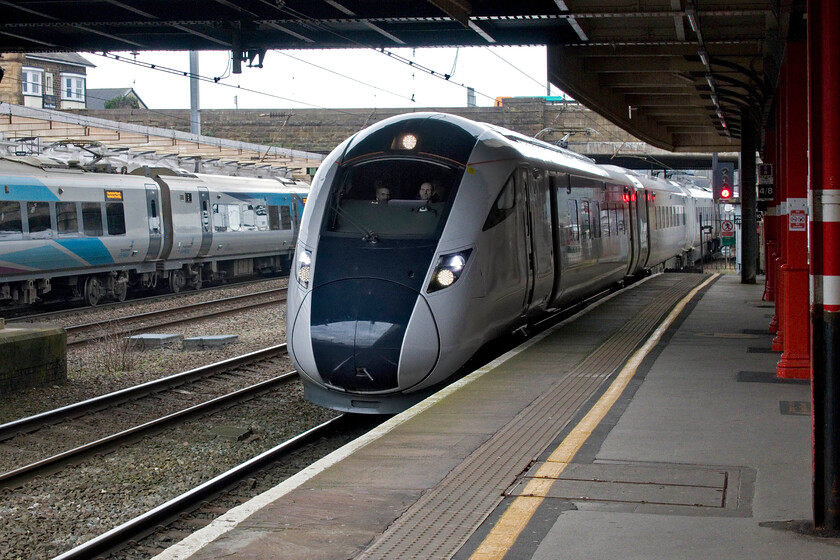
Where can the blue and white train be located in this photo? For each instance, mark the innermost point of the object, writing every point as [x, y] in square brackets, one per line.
[393, 291]
[68, 232]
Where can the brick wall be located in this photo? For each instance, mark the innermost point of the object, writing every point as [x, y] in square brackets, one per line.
[320, 130]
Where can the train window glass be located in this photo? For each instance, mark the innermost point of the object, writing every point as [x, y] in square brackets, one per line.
[286, 217]
[503, 206]
[604, 216]
[248, 216]
[92, 218]
[38, 216]
[274, 217]
[10, 223]
[261, 213]
[234, 217]
[67, 219]
[622, 219]
[596, 218]
[585, 225]
[614, 218]
[573, 231]
[115, 214]
[389, 198]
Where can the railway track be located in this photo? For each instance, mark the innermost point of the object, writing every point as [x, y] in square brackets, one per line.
[125, 416]
[132, 531]
[142, 322]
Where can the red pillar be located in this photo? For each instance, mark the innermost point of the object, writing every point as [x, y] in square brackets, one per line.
[824, 161]
[778, 323]
[796, 360]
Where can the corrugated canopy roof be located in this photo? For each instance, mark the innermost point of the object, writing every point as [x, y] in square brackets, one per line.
[675, 73]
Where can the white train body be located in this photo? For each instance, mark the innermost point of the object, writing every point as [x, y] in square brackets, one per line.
[390, 298]
[96, 235]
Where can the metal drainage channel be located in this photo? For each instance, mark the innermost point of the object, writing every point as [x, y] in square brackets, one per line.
[443, 519]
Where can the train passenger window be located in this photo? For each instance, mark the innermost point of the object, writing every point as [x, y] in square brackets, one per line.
[286, 217]
[67, 218]
[274, 217]
[596, 218]
[585, 226]
[249, 217]
[614, 218]
[503, 206]
[92, 218]
[261, 213]
[115, 213]
[605, 219]
[38, 215]
[573, 236]
[10, 223]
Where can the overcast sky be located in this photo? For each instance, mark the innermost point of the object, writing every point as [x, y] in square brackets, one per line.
[359, 78]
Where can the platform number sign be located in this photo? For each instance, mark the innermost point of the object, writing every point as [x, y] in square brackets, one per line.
[723, 181]
[765, 182]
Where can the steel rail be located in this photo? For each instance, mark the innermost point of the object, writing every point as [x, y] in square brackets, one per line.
[146, 523]
[35, 422]
[19, 476]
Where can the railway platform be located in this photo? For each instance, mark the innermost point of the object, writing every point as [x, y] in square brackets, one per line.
[648, 426]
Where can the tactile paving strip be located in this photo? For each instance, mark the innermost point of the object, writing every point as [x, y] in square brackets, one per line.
[442, 520]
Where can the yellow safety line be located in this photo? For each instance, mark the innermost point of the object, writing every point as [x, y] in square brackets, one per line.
[508, 528]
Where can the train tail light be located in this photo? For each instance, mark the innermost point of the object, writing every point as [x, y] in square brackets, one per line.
[304, 265]
[448, 270]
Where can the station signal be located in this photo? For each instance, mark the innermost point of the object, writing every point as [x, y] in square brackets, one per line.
[722, 181]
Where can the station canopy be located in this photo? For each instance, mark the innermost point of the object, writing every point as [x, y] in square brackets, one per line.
[678, 74]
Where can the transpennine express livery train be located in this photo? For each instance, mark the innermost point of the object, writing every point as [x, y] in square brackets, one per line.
[72, 233]
[428, 235]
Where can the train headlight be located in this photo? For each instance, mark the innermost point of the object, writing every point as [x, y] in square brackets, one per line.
[448, 270]
[304, 265]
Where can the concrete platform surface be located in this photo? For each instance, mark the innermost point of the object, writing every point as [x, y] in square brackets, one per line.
[626, 432]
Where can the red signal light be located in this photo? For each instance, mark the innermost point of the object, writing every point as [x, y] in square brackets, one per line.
[725, 192]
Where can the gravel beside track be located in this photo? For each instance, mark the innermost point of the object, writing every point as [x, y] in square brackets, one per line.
[53, 514]
[89, 374]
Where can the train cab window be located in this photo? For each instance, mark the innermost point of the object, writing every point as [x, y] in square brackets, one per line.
[67, 219]
[92, 218]
[286, 217]
[115, 213]
[386, 198]
[38, 216]
[274, 217]
[10, 224]
[503, 206]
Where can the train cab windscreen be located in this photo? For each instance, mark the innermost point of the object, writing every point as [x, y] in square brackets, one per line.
[392, 198]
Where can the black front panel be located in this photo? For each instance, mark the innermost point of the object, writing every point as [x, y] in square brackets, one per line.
[362, 299]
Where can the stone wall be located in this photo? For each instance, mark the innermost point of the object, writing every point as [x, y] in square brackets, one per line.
[320, 130]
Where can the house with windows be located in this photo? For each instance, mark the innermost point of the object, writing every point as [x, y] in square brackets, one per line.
[48, 80]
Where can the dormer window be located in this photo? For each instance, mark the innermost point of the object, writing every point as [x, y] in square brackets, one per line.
[32, 80]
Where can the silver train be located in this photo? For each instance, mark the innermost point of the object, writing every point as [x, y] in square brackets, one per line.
[428, 235]
[72, 233]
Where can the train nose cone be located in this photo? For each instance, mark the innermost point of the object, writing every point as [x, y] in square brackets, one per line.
[358, 328]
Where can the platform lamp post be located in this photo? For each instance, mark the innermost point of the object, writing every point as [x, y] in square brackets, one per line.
[824, 168]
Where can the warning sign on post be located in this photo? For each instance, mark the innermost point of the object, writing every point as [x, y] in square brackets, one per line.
[797, 220]
[727, 228]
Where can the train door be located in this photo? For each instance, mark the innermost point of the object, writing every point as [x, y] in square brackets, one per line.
[540, 239]
[524, 233]
[206, 223]
[153, 210]
[644, 230]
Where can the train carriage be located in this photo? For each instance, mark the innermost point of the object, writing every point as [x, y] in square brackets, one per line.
[68, 232]
[393, 291]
